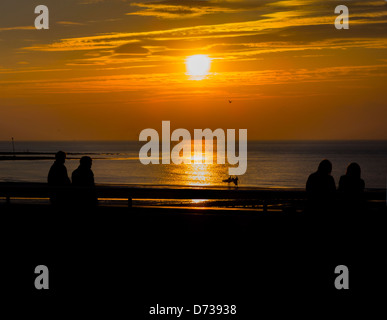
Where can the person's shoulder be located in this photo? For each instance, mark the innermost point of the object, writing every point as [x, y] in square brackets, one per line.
[313, 175]
[343, 178]
[54, 165]
[311, 182]
[311, 179]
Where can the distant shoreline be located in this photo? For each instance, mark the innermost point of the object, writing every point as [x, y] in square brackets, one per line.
[3, 158]
[15, 158]
[39, 155]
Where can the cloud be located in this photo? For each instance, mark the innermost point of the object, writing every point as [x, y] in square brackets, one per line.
[164, 83]
[32, 70]
[114, 40]
[297, 31]
[70, 23]
[284, 21]
[90, 1]
[131, 48]
[292, 3]
[18, 28]
[180, 9]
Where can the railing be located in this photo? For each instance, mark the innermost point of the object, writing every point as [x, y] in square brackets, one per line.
[264, 198]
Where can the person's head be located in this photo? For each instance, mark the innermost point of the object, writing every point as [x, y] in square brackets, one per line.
[353, 170]
[60, 157]
[325, 167]
[86, 162]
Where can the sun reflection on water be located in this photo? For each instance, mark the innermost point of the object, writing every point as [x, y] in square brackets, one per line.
[200, 174]
[199, 200]
[195, 171]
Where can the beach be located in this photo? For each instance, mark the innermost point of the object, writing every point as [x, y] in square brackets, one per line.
[144, 256]
[148, 244]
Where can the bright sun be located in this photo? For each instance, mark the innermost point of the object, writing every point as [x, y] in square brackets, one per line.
[198, 65]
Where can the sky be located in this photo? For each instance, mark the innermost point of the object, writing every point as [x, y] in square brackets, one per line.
[107, 69]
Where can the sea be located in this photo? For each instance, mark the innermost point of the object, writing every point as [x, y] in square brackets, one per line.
[270, 164]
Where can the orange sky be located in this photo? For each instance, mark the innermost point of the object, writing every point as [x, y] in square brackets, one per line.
[109, 69]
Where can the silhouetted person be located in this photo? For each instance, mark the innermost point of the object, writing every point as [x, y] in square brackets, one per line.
[83, 176]
[58, 177]
[321, 187]
[351, 188]
[351, 182]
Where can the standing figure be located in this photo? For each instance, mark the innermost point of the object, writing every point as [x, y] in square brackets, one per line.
[58, 177]
[83, 177]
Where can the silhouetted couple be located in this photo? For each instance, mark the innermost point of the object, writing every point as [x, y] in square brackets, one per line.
[82, 179]
[321, 188]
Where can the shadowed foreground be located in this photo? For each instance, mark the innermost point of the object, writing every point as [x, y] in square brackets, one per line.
[115, 259]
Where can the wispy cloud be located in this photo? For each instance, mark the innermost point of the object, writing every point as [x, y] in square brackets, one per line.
[269, 23]
[18, 28]
[277, 21]
[275, 31]
[180, 9]
[90, 1]
[70, 23]
[161, 81]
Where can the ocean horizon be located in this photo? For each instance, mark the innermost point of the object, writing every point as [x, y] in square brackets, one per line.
[270, 163]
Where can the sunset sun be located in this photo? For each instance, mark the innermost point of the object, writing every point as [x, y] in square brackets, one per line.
[198, 65]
